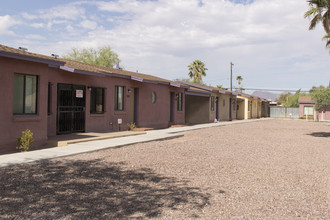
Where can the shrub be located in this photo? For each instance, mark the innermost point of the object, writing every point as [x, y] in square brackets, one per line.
[308, 117]
[25, 141]
[131, 126]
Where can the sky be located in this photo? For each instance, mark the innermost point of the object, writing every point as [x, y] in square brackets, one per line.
[268, 41]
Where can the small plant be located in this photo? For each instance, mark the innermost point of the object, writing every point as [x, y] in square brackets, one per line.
[131, 126]
[308, 117]
[25, 141]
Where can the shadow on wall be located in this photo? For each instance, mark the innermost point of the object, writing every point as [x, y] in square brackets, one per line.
[91, 189]
[320, 134]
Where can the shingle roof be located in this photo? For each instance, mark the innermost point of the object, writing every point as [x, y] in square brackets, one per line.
[215, 89]
[305, 99]
[28, 56]
[71, 65]
[205, 87]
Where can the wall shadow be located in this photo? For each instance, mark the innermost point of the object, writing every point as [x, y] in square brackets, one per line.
[320, 134]
[91, 189]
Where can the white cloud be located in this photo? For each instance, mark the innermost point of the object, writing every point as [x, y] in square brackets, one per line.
[6, 22]
[34, 37]
[88, 24]
[69, 12]
[28, 16]
[268, 40]
[37, 25]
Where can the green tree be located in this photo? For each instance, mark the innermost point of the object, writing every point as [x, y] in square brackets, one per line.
[220, 87]
[320, 12]
[289, 99]
[196, 71]
[187, 80]
[321, 95]
[104, 56]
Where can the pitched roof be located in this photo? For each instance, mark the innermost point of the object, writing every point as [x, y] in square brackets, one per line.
[79, 67]
[305, 99]
[28, 56]
[216, 89]
[205, 87]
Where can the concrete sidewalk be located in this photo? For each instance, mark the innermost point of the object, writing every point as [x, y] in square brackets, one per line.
[89, 146]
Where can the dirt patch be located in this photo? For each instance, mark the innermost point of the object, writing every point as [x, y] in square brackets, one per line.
[275, 169]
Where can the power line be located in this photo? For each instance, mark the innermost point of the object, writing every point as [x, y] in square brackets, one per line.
[275, 90]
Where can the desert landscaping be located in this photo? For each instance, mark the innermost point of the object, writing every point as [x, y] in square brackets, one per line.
[270, 169]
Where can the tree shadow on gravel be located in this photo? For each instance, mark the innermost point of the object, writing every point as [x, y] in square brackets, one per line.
[320, 134]
[91, 189]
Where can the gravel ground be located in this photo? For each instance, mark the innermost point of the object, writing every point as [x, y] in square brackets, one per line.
[274, 169]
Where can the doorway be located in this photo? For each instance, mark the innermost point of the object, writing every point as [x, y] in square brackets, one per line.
[71, 100]
[217, 108]
[171, 106]
[134, 105]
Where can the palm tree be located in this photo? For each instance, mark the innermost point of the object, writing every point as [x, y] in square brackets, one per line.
[239, 81]
[196, 71]
[320, 11]
[327, 39]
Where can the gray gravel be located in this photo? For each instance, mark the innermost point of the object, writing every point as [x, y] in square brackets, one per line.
[274, 169]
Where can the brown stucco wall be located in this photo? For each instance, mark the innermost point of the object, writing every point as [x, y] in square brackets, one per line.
[157, 115]
[12, 125]
[44, 125]
[323, 114]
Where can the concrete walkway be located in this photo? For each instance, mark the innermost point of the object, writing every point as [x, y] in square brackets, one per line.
[89, 146]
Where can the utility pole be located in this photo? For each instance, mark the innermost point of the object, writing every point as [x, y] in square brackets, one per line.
[231, 76]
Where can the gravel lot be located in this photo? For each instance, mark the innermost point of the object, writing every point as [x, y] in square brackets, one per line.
[273, 169]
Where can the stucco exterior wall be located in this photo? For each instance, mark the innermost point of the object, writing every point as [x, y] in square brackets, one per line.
[197, 109]
[240, 109]
[157, 115]
[254, 108]
[44, 125]
[233, 107]
[301, 108]
[12, 125]
[323, 114]
[224, 107]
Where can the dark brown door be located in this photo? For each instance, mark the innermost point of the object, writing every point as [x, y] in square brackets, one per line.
[70, 108]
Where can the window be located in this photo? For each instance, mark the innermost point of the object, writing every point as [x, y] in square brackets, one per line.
[119, 98]
[308, 110]
[179, 101]
[25, 94]
[97, 100]
[212, 103]
[153, 97]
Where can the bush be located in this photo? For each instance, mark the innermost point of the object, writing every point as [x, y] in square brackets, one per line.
[25, 141]
[131, 126]
[308, 117]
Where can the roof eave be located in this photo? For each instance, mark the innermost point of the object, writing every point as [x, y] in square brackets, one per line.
[51, 63]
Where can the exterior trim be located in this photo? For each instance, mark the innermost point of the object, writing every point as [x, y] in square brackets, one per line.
[31, 58]
[206, 94]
